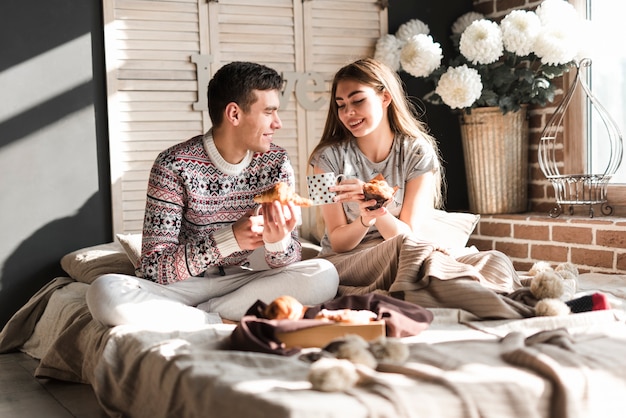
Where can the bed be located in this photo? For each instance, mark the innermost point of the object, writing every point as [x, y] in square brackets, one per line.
[459, 366]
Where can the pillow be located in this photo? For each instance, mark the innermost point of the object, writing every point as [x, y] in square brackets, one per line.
[446, 229]
[132, 245]
[449, 229]
[86, 264]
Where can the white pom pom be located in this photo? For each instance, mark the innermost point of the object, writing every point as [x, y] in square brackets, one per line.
[538, 267]
[390, 350]
[332, 375]
[356, 350]
[569, 273]
[551, 307]
[547, 284]
[569, 267]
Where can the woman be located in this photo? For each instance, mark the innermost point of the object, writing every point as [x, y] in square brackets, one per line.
[371, 128]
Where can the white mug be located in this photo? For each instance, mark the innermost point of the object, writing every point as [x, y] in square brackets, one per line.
[318, 185]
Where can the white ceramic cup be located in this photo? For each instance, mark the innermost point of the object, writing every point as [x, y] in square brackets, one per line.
[318, 185]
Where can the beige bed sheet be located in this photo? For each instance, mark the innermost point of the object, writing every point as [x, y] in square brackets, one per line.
[459, 367]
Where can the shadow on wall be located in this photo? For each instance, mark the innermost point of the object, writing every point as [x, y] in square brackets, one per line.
[21, 277]
[52, 77]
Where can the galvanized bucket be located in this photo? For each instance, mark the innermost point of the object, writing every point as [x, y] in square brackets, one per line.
[495, 151]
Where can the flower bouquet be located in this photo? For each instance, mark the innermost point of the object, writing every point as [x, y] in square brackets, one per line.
[506, 64]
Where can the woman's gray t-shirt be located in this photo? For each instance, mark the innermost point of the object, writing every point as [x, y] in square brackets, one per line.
[408, 159]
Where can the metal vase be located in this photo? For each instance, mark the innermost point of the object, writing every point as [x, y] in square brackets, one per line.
[495, 151]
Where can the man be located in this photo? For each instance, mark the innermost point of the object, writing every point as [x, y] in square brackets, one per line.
[206, 255]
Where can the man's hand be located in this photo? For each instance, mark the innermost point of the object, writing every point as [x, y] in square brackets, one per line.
[278, 221]
[248, 231]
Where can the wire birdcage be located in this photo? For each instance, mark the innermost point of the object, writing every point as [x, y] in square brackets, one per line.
[578, 189]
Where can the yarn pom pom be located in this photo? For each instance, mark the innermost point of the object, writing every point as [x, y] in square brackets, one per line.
[353, 348]
[538, 267]
[567, 267]
[547, 284]
[332, 375]
[551, 307]
[389, 350]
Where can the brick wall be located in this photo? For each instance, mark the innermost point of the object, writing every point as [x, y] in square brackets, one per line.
[595, 244]
[592, 244]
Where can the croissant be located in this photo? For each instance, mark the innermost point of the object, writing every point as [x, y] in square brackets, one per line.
[379, 190]
[283, 193]
[284, 307]
[350, 316]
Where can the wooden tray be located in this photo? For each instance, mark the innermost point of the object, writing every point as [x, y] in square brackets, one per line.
[321, 335]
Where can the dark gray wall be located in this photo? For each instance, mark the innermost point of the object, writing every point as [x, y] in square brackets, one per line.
[54, 186]
[439, 15]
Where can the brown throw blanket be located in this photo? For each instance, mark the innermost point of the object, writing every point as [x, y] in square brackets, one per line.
[255, 333]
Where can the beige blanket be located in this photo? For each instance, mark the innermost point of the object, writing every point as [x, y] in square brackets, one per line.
[549, 374]
[56, 327]
[459, 367]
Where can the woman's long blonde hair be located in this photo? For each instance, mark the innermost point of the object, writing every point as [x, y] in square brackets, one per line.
[402, 114]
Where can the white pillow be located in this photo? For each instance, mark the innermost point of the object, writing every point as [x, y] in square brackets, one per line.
[132, 245]
[449, 229]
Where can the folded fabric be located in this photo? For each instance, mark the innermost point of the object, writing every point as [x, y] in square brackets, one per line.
[255, 333]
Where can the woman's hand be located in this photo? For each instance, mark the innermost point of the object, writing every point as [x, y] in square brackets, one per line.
[368, 217]
[351, 190]
[348, 190]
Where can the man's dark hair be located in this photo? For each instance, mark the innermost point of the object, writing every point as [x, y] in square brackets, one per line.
[236, 82]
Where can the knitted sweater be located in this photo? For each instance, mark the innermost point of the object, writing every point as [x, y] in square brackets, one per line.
[194, 196]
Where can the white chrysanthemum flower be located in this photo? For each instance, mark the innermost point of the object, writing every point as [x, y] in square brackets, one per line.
[519, 31]
[459, 25]
[556, 46]
[481, 43]
[557, 13]
[388, 51]
[459, 87]
[411, 28]
[420, 56]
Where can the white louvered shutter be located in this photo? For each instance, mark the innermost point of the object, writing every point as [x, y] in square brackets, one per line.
[154, 89]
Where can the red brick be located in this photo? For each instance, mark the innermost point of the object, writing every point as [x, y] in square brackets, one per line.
[608, 238]
[506, 5]
[551, 253]
[591, 221]
[592, 258]
[485, 8]
[512, 249]
[621, 261]
[522, 265]
[572, 235]
[481, 244]
[536, 191]
[536, 121]
[532, 232]
[493, 229]
[542, 207]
